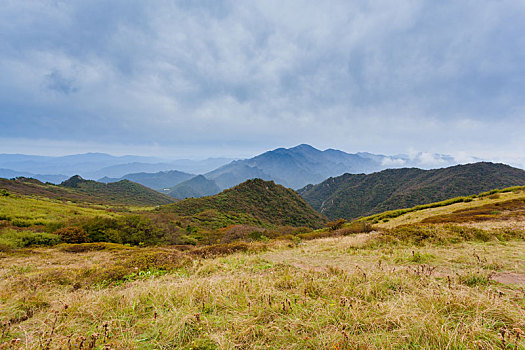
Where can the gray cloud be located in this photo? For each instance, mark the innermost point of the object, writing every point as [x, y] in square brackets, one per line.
[380, 76]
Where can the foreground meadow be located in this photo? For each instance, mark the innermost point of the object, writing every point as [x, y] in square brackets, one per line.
[438, 286]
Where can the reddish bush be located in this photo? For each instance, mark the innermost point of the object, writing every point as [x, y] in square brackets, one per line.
[335, 225]
[73, 234]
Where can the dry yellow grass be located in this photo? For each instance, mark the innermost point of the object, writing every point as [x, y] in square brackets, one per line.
[333, 293]
[418, 216]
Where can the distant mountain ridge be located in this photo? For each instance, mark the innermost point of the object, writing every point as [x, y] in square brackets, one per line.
[76, 188]
[123, 192]
[198, 186]
[301, 165]
[292, 167]
[354, 195]
[10, 174]
[157, 181]
[98, 165]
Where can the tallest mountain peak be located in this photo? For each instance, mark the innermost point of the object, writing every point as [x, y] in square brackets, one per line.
[304, 147]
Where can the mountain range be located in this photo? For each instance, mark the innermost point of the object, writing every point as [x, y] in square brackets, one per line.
[353, 195]
[77, 189]
[97, 165]
[161, 181]
[301, 165]
[198, 186]
[257, 201]
[293, 167]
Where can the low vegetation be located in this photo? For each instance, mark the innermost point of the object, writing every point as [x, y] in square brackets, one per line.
[79, 190]
[199, 276]
[493, 211]
[262, 211]
[413, 290]
[25, 211]
[493, 194]
[262, 200]
[351, 196]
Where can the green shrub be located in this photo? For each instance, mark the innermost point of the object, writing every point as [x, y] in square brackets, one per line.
[131, 229]
[21, 239]
[336, 224]
[4, 193]
[97, 228]
[185, 239]
[53, 226]
[474, 279]
[17, 222]
[356, 227]
[156, 259]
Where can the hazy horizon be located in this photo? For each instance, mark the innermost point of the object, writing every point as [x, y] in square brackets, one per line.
[199, 79]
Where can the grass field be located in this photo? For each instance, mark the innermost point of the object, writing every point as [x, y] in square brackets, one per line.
[23, 211]
[450, 283]
[350, 292]
[414, 216]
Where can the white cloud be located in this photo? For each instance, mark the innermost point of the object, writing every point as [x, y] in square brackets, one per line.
[440, 77]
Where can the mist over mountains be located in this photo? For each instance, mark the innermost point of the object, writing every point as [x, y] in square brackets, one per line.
[293, 167]
[97, 165]
[302, 165]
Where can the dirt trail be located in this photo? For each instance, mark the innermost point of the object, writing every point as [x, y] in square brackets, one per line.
[509, 278]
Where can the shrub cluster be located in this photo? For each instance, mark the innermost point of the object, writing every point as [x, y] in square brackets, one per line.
[73, 234]
[336, 224]
[132, 229]
[420, 234]
[12, 239]
[348, 229]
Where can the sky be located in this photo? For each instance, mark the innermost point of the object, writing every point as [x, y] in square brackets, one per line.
[192, 79]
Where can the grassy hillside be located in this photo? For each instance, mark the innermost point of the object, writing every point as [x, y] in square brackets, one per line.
[250, 212]
[121, 192]
[87, 191]
[23, 211]
[351, 196]
[416, 286]
[263, 200]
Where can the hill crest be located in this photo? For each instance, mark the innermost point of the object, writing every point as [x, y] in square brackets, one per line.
[353, 195]
[264, 200]
[76, 188]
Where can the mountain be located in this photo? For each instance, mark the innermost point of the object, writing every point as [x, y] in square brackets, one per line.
[354, 195]
[10, 174]
[198, 186]
[78, 163]
[158, 181]
[236, 172]
[301, 165]
[263, 200]
[122, 192]
[97, 165]
[181, 165]
[292, 167]
[79, 190]
[199, 166]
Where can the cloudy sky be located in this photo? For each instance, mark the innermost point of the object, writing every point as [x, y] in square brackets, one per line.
[235, 78]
